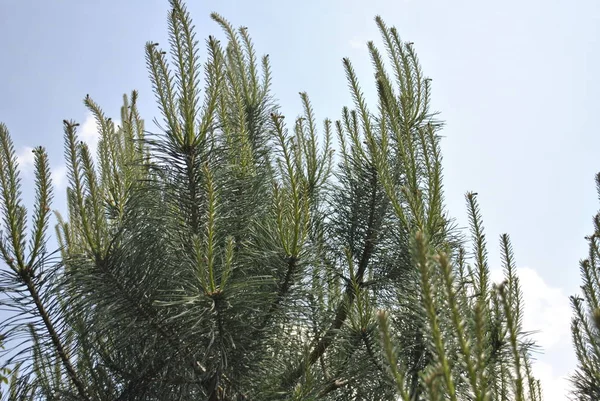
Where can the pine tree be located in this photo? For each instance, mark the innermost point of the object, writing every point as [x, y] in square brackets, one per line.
[585, 325]
[231, 257]
[4, 372]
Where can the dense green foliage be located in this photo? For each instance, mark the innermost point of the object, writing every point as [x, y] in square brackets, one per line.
[585, 326]
[231, 257]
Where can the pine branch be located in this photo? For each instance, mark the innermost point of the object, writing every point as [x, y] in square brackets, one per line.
[341, 312]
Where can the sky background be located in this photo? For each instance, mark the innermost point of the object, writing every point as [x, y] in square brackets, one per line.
[515, 81]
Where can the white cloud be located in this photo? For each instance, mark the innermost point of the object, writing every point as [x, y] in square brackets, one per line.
[26, 159]
[59, 177]
[547, 309]
[554, 387]
[89, 133]
[547, 312]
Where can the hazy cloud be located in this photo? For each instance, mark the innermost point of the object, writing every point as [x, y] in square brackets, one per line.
[26, 159]
[547, 309]
[547, 312]
[89, 133]
[59, 177]
[554, 387]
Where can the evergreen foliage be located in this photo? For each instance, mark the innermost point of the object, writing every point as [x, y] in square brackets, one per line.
[231, 257]
[585, 325]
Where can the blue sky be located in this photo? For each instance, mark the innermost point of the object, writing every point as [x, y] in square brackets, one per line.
[515, 81]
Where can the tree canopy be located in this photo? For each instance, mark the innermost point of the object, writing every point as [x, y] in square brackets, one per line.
[230, 254]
